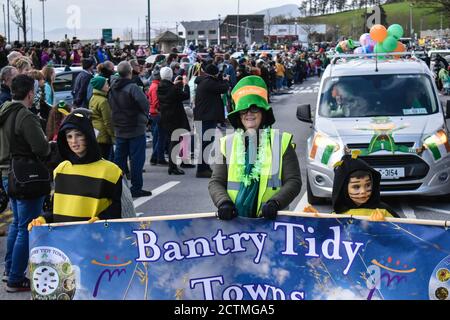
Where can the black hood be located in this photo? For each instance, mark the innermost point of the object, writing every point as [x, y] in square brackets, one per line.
[340, 198]
[78, 121]
[121, 83]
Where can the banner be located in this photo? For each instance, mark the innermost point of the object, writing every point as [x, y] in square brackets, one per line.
[293, 258]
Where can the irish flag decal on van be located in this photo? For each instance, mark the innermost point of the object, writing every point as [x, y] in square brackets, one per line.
[438, 145]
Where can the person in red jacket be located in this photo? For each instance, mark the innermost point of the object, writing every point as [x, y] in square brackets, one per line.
[158, 133]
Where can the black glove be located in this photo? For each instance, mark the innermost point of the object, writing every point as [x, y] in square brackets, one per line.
[270, 210]
[227, 211]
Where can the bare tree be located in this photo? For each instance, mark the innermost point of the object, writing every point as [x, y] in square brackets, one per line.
[19, 17]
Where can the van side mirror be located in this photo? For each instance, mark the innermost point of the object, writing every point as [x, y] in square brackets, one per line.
[304, 113]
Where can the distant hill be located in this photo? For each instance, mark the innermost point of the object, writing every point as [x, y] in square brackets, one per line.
[350, 23]
[288, 10]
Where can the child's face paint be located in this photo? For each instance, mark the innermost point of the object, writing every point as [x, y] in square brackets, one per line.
[360, 190]
[77, 142]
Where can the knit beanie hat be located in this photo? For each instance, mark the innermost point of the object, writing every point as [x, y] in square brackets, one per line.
[166, 73]
[98, 82]
[212, 70]
[251, 91]
[156, 73]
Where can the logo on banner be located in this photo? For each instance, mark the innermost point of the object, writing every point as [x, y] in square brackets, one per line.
[439, 287]
[53, 277]
[393, 275]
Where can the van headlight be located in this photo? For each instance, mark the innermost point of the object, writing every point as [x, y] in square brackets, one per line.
[323, 148]
[438, 144]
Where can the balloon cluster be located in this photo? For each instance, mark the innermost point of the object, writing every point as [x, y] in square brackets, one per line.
[381, 40]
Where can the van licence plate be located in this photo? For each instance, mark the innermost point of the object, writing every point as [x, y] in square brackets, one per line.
[391, 173]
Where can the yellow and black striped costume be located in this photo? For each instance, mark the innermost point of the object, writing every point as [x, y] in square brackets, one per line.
[84, 191]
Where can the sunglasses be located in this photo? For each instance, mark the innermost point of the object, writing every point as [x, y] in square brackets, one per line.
[251, 110]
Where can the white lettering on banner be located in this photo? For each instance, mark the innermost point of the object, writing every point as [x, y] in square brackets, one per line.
[206, 285]
[332, 253]
[236, 292]
[150, 251]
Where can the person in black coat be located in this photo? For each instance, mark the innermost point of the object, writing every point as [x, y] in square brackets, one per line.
[173, 116]
[209, 109]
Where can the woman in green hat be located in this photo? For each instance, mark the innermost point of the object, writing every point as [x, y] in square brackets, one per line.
[101, 116]
[257, 172]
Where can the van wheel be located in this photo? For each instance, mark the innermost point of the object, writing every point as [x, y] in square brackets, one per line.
[312, 199]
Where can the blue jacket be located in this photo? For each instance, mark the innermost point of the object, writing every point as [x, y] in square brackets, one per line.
[81, 92]
[5, 94]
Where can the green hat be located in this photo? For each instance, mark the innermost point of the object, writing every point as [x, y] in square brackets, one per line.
[98, 82]
[251, 91]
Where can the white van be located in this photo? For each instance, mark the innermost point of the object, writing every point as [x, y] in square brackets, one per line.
[389, 110]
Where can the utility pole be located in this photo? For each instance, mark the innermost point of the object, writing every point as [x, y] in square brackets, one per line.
[218, 33]
[31, 24]
[43, 17]
[411, 20]
[9, 26]
[4, 18]
[149, 25]
[139, 27]
[24, 17]
[237, 27]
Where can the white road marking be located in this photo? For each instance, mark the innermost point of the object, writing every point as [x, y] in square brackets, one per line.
[139, 202]
[302, 203]
[408, 211]
[434, 209]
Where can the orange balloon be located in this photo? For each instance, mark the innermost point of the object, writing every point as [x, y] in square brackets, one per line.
[378, 33]
[400, 47]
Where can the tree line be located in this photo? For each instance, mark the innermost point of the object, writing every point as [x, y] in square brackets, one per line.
[321, 7]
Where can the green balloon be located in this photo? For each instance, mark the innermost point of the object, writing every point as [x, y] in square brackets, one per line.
[389, 44]
[379, 48]
[395, 31]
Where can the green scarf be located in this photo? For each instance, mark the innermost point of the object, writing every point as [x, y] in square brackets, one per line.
[249, 174]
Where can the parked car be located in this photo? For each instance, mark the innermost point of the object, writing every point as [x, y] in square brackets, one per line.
[64, 82]
[388, 110]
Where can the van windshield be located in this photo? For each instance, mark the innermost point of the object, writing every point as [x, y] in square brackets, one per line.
[377, 95]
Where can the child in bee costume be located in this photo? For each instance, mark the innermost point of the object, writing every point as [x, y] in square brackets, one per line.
[356, 190]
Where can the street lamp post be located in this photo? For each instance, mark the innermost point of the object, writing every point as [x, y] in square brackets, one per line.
[218, 33]
[31, 24]
[237, 27]
[149, 30]
[9, 26]
[411, 20]
[43, 17]
[4, 18]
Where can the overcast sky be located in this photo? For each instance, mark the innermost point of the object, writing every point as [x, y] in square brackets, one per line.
[125, 13]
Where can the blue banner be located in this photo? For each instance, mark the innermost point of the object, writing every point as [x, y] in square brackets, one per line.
[293, 258]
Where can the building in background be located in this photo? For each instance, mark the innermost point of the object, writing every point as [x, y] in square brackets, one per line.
[167, 41]
[205, 32]
[251, 29]
[292, 32]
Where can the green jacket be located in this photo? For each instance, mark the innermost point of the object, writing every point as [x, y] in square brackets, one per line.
[30, 136]
[101, 117]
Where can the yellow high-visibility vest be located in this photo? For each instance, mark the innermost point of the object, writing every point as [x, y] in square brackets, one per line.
[271, 172]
